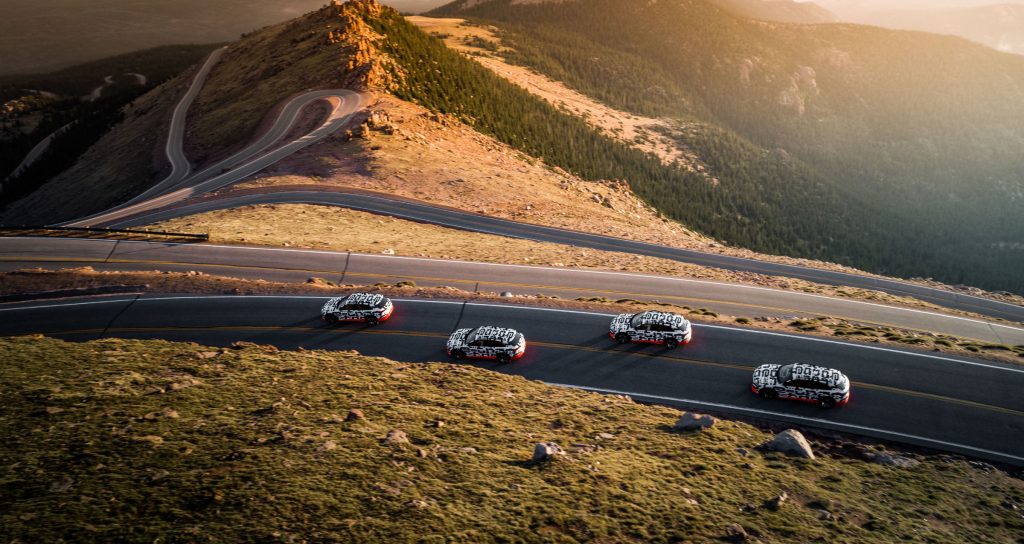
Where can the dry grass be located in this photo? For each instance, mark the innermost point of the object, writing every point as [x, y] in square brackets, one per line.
[118, 440]
[341, 229]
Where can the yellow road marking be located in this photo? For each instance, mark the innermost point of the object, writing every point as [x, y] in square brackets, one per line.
[453, 280]
[550, 345]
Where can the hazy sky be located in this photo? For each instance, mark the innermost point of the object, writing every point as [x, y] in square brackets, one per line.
[911, 4]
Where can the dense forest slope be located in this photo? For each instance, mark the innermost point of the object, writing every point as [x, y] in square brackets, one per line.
[925, 132]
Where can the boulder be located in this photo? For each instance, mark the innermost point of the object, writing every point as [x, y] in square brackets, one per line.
[546, 450]
[354, 414]
[790, 442]
[734, 532]
[396, 436]
[777, 501]
[889, 460]
[690, 421]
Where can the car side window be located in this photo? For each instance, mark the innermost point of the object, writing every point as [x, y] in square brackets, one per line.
[818, 385]
[641, 327]
[493, 344]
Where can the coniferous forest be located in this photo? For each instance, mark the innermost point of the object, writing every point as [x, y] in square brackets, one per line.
[791, 203]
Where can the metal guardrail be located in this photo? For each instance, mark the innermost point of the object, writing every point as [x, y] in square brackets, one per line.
[110, 234]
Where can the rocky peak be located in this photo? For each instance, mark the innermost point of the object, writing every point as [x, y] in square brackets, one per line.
[345, 27]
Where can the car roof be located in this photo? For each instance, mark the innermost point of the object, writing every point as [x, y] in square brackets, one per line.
[804, 371]
[371, 299]
[661, 318]
[488, 332]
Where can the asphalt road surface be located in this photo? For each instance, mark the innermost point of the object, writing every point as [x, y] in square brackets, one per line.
[291, 265]
[425, 213]
[946, 403]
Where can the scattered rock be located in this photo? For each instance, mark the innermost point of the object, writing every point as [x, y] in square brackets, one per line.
[507, 294]
[388, 251]
[777, 501]
[396, 436]
[438, 423]
[790, 442]
[889, 459]
[416, 503]
[734, 532]
[355, 414]
[469, 450]
[690, 421]
[158, 475]
[605, 436]
[205, 354]
[824, 514]
[329, 445]
[546, 450]
[61, 484]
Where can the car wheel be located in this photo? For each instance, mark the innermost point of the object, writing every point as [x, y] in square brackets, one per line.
[622, 338]
[458, 354]
[331, 318]
[372, 321]
[504, 358]
[827, 402]
[671, 343]
[769, 394]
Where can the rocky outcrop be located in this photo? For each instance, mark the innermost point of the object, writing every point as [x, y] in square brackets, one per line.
[790, 442]
[366, 65]
[545, 451]
[690, 421]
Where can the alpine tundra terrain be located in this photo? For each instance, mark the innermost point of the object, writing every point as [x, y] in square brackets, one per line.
[119, 440]
[541, 166]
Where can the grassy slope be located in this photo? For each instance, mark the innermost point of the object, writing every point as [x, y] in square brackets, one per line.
[128, 440]
[259, 72]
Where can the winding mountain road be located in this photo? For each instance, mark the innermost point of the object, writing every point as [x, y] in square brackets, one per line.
[448, 217]
[293, 265]
[946, 403]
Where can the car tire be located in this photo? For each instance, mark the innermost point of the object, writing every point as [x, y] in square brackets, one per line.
[769, 394]
[671, 343]
[827, 402]
[372, 321]
[504, 358]
[622, 338]
[331, 318]
[458, 354]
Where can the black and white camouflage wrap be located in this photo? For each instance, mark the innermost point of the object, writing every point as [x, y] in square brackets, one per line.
[487, 342]
[651, 327]
[804, 382]
[358, 307]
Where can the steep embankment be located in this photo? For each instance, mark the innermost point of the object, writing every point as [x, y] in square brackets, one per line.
[131, 440]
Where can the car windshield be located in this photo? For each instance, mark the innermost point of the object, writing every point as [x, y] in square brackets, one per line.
[471, 335]
[785, 372]
[636, 320]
